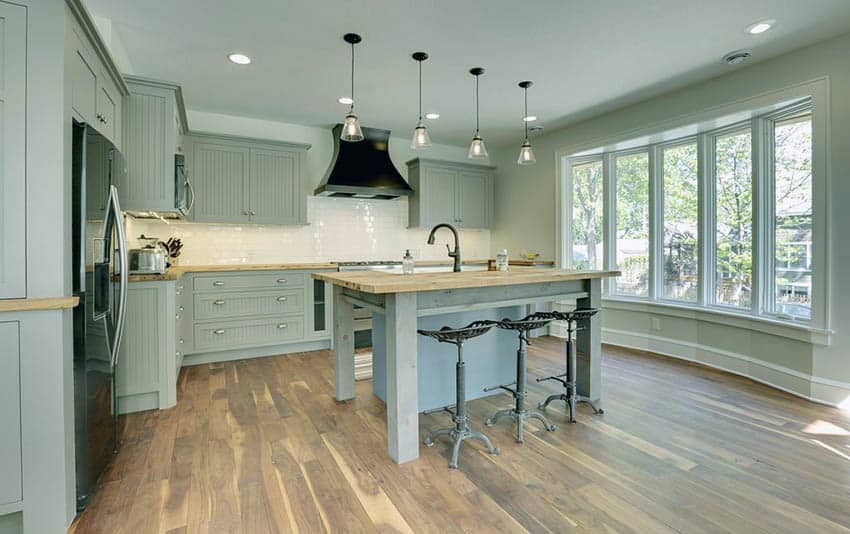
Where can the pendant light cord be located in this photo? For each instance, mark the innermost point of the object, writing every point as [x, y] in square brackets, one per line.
[352, 78]
[420, 91]
[525, 122]
[476, 104]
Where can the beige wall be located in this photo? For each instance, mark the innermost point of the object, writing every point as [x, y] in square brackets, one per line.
[526, 220]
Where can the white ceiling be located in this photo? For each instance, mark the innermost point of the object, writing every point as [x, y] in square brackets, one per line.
[584, 56]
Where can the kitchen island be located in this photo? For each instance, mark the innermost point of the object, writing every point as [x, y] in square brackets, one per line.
[409, 302]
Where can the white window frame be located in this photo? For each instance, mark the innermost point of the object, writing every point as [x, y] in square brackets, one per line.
[610, 177]
[567, 231]
[776, 105]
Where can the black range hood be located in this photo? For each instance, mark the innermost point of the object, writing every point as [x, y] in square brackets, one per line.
[363, 169]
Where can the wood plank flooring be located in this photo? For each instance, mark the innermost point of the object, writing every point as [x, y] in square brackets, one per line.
[260, 446]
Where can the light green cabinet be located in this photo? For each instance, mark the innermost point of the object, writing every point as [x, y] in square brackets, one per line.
[238, 180]
[96, 99]
[13, 129]
[153, 125]
[11, 490]
[460, 194]
[146, 370]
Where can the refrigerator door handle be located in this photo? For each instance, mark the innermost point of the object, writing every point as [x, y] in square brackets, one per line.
[115, 208]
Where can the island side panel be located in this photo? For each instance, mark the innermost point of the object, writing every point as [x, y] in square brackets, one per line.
[402, 379]
[343, 346]
[589, 343]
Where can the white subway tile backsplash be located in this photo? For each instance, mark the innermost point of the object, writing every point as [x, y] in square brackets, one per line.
[340, 229]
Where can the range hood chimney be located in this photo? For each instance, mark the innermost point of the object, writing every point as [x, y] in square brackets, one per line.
[363, 169]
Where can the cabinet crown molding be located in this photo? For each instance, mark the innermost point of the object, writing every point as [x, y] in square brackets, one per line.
[431, 161]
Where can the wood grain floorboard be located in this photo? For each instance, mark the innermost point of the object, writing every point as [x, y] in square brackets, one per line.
[261, 446]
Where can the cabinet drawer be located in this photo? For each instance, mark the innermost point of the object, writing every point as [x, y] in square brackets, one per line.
[249, 333]
[227, 305]
[248, 281]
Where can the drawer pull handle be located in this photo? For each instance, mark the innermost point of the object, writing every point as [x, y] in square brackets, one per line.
[218, 283]
[218, 332]
[281, 299]
[281, 280]
[218, 302]
[282, 325]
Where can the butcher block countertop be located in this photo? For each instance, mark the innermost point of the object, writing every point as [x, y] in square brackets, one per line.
[380, 283]
[53, 303]
[173, 273]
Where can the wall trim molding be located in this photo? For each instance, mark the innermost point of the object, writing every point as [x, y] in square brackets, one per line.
[807, 386]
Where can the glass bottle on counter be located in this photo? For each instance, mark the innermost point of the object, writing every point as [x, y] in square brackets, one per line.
[407, 263]
[502, 260]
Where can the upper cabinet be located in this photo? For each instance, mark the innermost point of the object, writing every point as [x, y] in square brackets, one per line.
[154, 121]
[13, 178]
[96, 87]
[460, 194]
[239, 180]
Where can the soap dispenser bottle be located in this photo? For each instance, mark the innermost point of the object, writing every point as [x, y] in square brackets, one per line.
[407, 263]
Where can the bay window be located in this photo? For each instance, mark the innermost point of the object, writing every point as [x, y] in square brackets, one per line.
[720, 217]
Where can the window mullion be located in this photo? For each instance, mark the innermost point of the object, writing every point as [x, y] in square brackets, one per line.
[707, 234]
[609, 221]
[656, 225]
[761, 218]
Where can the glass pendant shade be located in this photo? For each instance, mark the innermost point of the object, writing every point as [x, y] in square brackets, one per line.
[477, 149]
[526, 154]
[351, 128]
[421, 139]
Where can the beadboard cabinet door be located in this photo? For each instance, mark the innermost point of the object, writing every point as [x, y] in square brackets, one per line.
[12, 151]
[472, 199]
[221, 177]
[274, 190]
[439, 195]
[460, 194]
[10, 410]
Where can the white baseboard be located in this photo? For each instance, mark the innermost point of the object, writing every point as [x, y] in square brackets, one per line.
[820, 390]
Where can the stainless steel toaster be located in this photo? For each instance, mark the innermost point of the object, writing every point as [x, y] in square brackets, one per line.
[147, 260]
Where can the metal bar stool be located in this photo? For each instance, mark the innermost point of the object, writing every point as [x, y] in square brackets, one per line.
[460, 431]
[569, 379]
[519, 413]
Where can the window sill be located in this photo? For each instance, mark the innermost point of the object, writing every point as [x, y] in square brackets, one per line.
[767, 325]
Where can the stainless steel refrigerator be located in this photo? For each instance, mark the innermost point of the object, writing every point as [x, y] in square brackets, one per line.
[99, 264]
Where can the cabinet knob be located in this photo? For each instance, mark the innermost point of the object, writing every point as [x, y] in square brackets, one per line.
[244, 212]
[177, 316]
[218, 283]
[282, 326]
[219, 303]
[281, 280]
[180, 308]
[252, 213]
[218, 332]
[281, 299]
[181, 341]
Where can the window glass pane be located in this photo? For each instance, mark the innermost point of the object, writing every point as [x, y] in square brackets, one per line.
[734, 219]
[679, 167]
[587, 216]
[792, 162]
[631, 173]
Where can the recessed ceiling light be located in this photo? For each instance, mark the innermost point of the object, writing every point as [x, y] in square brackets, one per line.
[239, 59]
[737, 57]
[530, 118]
[347, 100]
[760, 26]
[432, 115]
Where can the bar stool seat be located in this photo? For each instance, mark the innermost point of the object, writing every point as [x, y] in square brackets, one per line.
[569, 378]
[519, 413]
[461, 430]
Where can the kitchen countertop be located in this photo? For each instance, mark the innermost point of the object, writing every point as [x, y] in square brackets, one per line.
[381, 283]
[53, 303]
[173, 273]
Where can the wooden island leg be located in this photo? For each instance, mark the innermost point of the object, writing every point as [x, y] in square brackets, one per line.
[589, 345]
[343, 346]
[402, 377]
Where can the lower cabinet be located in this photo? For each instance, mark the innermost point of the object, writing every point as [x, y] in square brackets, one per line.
[11, 489]
[146, 371]
[211, 317]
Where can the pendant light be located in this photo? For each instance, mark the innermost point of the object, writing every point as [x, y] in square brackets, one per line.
[421, 139]
[526, 154]
[351, 127]
[476, 148]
